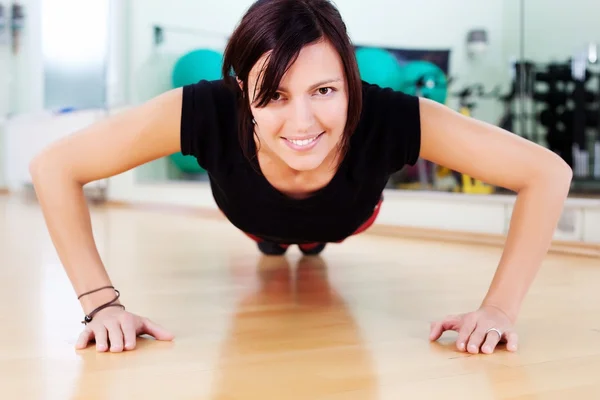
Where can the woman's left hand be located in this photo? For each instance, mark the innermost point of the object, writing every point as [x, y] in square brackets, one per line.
[474, 330]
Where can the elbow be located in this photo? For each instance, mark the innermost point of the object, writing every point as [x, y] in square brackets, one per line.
[549, 172]
[564, 172]
[37, 165]
[558, 173]
[51, 169]
[40, 166]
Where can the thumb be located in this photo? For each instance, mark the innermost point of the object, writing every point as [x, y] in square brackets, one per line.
[156, 330]
[439, 327]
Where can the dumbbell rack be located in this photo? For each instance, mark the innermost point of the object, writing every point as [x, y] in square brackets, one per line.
[566, 100]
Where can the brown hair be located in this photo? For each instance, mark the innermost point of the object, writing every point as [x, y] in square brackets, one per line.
[284, 27]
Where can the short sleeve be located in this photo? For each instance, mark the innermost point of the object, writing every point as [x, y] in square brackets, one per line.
[394, 118]
[208, 121]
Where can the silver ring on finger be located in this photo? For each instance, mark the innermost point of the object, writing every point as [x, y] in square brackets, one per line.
[494, 330]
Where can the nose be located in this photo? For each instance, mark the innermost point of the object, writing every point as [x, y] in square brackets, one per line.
[303, 116]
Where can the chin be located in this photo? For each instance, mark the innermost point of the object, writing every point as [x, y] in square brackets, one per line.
[305, 163]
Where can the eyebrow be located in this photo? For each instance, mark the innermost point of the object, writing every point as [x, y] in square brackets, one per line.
[316, 85]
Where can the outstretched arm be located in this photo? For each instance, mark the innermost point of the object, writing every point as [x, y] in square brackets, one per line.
[104, 149]
[540, 178]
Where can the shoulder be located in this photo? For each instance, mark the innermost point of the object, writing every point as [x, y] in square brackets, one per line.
[386, 101]
[390, 125]
[209, 119]
[208, 96]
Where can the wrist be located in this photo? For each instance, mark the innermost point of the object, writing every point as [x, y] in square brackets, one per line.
[511, 310]
[91, 301]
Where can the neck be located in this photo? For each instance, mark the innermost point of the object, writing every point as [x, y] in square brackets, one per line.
[294, 183]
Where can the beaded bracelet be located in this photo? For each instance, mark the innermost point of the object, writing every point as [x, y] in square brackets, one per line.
[96, 290]
[88, 318]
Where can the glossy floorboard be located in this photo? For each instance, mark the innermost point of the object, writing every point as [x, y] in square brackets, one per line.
[351, 324]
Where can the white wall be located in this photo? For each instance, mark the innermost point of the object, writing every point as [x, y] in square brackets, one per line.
[3, 183]
[554, 29]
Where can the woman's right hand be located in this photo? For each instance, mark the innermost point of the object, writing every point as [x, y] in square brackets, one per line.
[119, 329]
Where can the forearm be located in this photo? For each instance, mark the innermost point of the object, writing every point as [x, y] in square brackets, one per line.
[535, 215]
[67, 217]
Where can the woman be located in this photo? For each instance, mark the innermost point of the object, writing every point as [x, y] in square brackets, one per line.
[298, 150]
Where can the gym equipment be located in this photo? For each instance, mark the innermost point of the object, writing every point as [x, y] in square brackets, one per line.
[563, 99]
[466, 106]
[555, 78]
[571, 111]
[191, 68]
[507, 120]
[425, 79]
[379, 67]
[524, 122]
[197, 65]
[580, 153]
[17, 26]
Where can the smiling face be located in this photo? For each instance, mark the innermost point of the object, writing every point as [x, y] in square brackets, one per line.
[303, 123]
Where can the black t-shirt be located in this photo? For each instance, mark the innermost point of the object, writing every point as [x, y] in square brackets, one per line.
[388, 137]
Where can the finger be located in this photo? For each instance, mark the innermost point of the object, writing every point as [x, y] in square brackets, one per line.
[101, 337]
[129, 332]
[491, 341]
[476, 339]
[84, 338]
[469, 324]
[450, 323]
[156, 330]
[512, 340]
[115, 335]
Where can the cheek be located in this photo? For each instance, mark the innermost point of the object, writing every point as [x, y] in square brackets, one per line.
[333, 115]
[269, 123]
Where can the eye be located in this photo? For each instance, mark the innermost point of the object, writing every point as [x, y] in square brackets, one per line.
[325, 90]
[276, 97]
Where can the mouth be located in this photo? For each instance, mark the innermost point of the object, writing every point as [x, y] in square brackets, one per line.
[303, 144]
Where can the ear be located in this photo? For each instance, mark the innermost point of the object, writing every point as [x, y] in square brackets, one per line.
[240, 83]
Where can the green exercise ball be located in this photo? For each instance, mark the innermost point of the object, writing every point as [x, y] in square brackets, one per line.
[197, 65]
[379, 66]
[433, 81]
[186, 164]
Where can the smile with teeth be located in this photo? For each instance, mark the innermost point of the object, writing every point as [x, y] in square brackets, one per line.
[303, 142]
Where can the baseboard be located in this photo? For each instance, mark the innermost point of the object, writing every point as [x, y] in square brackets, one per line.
[557, 246]
[170, 208]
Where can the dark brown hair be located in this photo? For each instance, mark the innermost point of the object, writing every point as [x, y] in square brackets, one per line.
[284, 27]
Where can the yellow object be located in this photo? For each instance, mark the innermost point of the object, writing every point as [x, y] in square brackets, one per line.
[475, 186]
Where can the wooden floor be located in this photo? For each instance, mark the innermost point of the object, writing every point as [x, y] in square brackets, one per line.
[352, 324]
